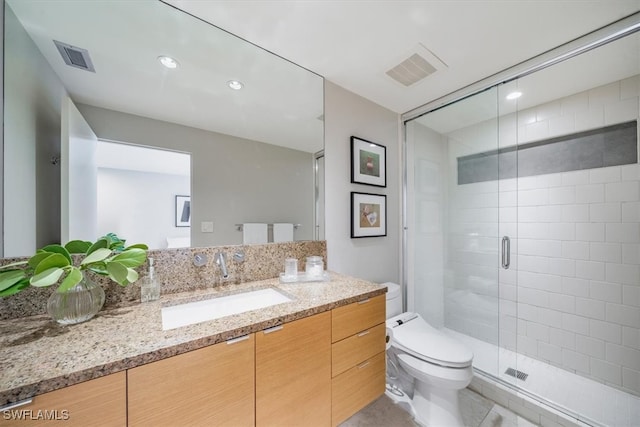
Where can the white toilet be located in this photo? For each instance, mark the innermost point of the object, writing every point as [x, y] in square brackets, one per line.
[437, 364]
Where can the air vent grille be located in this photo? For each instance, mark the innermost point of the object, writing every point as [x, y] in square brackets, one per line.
[75, 56]
[516, 374]
[411, 70]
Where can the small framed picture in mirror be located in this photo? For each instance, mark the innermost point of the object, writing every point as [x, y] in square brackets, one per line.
[183, 211]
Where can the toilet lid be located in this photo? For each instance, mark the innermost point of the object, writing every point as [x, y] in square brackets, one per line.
[417, 337]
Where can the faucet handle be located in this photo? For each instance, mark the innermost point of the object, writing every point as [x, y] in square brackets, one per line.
[238, 256]
[199, 260]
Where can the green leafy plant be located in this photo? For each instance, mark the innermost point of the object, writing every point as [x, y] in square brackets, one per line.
[52, 264]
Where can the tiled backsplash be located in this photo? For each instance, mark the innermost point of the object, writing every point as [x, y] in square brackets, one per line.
[176, 272]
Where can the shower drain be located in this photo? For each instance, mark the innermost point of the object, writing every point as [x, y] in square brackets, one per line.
[517, 374]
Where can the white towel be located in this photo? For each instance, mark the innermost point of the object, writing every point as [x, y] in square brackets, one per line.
[283, 232]
[178, 242]
[254, 233]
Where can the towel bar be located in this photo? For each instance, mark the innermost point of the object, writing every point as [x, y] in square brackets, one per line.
[239, 226]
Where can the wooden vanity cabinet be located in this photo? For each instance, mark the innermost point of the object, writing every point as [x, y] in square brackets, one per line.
[293, 373]
[98, 402]
[211, 386]
[358, 356]
[315, 371]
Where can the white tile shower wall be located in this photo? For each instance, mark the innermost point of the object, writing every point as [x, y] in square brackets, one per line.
[572, 296]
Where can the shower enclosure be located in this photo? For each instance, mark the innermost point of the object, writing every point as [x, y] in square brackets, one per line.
[522, 219]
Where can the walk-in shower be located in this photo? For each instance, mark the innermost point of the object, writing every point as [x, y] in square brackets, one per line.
[522, 229]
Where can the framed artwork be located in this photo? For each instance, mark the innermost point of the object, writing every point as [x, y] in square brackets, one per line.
[368, 215]
[368, 162]
[183, 211]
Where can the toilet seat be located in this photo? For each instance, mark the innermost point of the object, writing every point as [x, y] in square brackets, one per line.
[452, 378]
[412, 334]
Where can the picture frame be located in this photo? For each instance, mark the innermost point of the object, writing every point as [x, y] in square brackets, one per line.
[368, 162]
[183, 211]
[368, 215]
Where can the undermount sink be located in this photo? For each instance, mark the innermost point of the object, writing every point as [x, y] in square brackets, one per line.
[189, 313]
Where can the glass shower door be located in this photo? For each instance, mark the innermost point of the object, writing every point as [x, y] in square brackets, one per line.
[522, 231]
[452, 216]
[578, 202]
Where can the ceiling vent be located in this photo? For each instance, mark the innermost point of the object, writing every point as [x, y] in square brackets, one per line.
[411, 70]
[420, 63]
[75, 56]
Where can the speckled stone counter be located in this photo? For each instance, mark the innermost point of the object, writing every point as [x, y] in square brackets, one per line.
[37, 355]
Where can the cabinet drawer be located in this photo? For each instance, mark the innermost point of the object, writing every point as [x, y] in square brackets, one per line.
[293, 373]
[356, 317]
[357, 348]
[213, 385]
[357, 387]
[102, 400]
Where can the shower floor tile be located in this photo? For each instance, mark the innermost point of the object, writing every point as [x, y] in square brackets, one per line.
[572, 397]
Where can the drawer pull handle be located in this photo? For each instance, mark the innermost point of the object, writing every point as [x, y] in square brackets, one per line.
[17, 404]
[364, 365]
[237, 340]
[364, 301]
[274, 329]
[362, 334]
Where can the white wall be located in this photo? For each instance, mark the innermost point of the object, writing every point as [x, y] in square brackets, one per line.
[79, 175]
[32, 102]
[346, 114]
[2, 133]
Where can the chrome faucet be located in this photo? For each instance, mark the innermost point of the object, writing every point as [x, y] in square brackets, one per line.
[221, 260]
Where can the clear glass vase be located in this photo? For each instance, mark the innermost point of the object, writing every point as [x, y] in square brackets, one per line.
[78, 304]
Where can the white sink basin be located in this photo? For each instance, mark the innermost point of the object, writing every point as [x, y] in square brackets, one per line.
[179, 315]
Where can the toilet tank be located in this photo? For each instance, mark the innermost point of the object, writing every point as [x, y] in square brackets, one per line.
[394, 299]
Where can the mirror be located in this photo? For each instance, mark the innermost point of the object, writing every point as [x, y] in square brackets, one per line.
[252, 150]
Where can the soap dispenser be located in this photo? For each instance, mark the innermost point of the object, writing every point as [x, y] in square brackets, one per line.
[149, 288]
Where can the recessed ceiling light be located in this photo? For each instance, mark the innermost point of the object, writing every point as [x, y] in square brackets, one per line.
[235, 84]
[168, 62]
[514, 95]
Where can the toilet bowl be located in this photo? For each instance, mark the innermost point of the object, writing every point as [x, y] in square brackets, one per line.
[437, 364]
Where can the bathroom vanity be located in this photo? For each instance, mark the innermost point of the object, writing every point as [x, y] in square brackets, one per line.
[315, 360]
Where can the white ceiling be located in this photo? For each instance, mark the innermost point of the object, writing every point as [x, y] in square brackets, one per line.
[353, 43]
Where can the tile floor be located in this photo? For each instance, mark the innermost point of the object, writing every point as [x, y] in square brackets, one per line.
[477, 411]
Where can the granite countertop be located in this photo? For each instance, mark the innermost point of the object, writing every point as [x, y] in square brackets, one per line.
[38, 355]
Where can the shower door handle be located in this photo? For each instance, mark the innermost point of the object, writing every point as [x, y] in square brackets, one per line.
[506, 252]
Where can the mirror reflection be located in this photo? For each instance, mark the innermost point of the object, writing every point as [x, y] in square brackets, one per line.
[78, 71]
